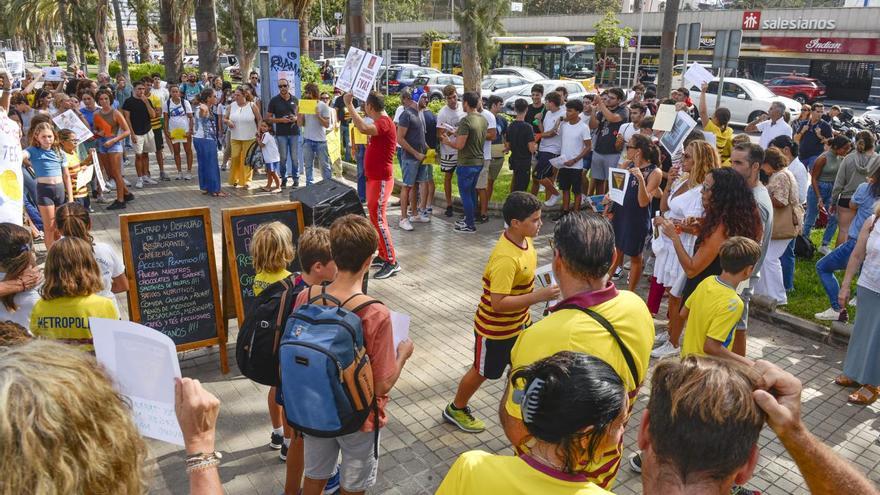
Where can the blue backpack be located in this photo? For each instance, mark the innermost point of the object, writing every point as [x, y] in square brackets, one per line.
[326, 377]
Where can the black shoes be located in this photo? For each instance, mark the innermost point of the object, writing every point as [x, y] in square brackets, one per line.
[387, 270]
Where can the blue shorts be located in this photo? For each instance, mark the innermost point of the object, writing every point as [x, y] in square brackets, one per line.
[272, 167]
[115, 148]
[543, 169]
[413, 171]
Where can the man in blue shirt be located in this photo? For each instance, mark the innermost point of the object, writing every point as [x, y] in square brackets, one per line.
[811, 136]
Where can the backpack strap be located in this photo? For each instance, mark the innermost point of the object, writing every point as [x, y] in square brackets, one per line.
[627, 355]
[323, 296]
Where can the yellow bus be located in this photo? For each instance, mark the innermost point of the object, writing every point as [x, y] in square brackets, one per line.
[557, 57]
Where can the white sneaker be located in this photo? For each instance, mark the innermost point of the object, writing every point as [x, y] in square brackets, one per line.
[649, 267]
[853, 301]
[111, 184]
[187, 176]
[422, 217]
[179, 176]
[405, 224]
[828, 315]
[552, 201]
[661, 339]
[126, 182]
[627, 264]
[150, 180]
[140, 183]
[665, 350]
[824, 250]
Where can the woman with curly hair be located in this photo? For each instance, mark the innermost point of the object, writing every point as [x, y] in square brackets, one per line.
[730, 210]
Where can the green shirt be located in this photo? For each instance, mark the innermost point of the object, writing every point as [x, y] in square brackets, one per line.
[475, 127]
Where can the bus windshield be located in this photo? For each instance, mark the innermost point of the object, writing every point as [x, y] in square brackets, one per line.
[578, 61]
[554, 58]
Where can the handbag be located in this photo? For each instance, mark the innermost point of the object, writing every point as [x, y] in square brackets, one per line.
[788, 220]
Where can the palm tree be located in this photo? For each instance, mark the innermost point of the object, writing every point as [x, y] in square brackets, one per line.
[120, 35]
[478, 21]
[171, 12]
[206, 25]
[299, 10]
[354, 34]
[142, 10]
[667, 52]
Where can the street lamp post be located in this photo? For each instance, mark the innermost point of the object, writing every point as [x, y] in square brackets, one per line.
[321, 4]
[639, 41]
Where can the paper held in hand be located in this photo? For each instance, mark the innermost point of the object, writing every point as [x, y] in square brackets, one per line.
[358, 73]
[308, 107]
[70, 120]
[143, 365]
[673, 139]
[399, 327]
[697, 75]
[665, 118]
[545, 278]
[617, 184]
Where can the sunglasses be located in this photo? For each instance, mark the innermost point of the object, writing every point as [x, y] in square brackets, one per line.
[630, 147]
[282, 86]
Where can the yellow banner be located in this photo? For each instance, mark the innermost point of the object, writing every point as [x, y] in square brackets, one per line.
[308, 107]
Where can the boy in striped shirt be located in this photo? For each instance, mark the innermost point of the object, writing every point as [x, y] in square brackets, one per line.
[503, 311]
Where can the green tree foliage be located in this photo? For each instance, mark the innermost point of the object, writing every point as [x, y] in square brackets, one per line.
[568, 7]
[431, 36]
[608, 32]
[309, 70]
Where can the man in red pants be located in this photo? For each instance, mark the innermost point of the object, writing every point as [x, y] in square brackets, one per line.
[378, 161]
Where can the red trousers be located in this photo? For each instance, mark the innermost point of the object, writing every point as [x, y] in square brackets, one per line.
[378, 193]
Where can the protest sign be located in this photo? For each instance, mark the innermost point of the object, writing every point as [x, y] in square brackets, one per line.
[617, 184]
[15, 63]
[308, 107]
[399, 327]
[683, 125]
[350, 67]
[143, 365]
[697, 75]
[53, 74]
[71, 121]
[358, 73]
[11, 178]
[665, 118]
[84, 176]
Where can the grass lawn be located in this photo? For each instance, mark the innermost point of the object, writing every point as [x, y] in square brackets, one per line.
[500, 191]
[809, 297]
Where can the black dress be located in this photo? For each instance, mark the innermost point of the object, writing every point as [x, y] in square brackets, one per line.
[631, 221]
[691, 284]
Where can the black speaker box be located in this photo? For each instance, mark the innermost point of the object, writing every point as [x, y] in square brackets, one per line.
[325, 201]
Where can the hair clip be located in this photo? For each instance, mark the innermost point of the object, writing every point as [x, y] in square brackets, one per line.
[24, 248]
[528, 401]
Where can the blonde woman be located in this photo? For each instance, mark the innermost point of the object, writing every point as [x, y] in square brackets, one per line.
[680, 200]
[243, 120]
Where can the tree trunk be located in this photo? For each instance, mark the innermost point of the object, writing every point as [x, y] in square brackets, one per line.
[172, 40]
[206, 28]
[471, 67]
[67, 34]
[355, 25]
[667, 49]
[100, 39]
[120, 35]
[304, 33]
[244, 58]
[143, 35]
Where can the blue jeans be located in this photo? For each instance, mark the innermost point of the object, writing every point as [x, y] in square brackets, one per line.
[787, 261]
[359, 152]
[834, 261]
[316, 151]
[467, 188]
[345, 141]
[813, 212]
[288, 146]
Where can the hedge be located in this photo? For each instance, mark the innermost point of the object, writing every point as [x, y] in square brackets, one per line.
[139, 71]
[91, 57]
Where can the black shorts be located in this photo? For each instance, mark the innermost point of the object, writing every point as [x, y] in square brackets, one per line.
[570, 179]
[491, 356]
[843, 202]
[159, 137]
[521, 178]
[50, 194]
[543, 169]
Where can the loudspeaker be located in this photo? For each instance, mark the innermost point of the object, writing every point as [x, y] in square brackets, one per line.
[325, 201]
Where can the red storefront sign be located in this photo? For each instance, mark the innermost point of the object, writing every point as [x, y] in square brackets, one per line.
[849, 46]
[751, 20]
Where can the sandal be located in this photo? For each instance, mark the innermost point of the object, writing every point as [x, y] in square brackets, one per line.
[219, 194]
[864, 396]
[845, 381]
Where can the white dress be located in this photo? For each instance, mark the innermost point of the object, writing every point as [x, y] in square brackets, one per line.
[667, 268]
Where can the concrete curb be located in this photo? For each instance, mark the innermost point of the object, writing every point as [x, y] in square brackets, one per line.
[766, 311]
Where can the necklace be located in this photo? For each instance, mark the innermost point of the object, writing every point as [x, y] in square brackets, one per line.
[543, 460]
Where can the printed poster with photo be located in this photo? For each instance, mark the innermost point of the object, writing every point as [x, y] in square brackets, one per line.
[358, 73]
[673, 139]
[617, 184]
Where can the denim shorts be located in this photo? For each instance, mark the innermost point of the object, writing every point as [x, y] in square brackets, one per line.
[115, 148]
[412, 170]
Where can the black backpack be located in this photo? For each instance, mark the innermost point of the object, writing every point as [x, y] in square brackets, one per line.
[256, 350]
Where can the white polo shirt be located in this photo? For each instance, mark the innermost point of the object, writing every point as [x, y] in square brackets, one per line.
[770, 130]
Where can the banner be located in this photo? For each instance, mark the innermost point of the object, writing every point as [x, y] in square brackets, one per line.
[849, 46]
[11, 179]
[358, 73]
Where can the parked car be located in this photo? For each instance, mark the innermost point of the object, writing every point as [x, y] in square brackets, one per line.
[530, 75]
[335, 62]
[575, 90]
[433, 85]
[746, 99]
[403, 75]
[190, 60]
[677, 71]
[800, 88]
[226, 60]
[233, 71]
[501, 85]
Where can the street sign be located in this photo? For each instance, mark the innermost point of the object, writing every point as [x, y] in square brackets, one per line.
[338, 16]
[516, 6]
[727, 46]
[622, 41]
[687, 36]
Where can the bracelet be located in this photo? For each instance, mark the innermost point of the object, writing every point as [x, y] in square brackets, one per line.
[200, 461]
[201, 466]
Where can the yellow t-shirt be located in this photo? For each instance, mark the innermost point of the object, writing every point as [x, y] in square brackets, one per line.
[73, 167]
[480, 473]
[574, 330]
[510, 271]
[156, 100]
[723, 140]
[66, 319]
[263, 280]
[715, 309]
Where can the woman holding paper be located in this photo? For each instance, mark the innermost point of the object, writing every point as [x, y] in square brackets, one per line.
[243, 119]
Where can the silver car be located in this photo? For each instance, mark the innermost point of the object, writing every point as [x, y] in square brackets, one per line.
[575, 90]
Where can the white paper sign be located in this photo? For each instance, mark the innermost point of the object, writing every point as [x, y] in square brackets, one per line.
[558, 161]
[682, 126]
[84, 176]
[697, 75]
[350, 68]
[143, 365]
[665, 118]
[711, 138]
[70, 120]
[53, 74]
[619, 178]
[102, 186]
[358, 73]
[15, 63]
[11, 178]
[399, 327]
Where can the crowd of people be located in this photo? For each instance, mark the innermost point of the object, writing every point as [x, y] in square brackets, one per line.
[711, 224]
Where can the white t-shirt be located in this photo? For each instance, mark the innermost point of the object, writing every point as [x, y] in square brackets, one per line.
[627, 131]
[24, 302]
[770, 130]
[111, 267]
[803, 178]
[178, 115]
[270, 149]
[312, 128]
[552, 144]
[161, 94]
[449, 117]
[573, 137]
[487, 144]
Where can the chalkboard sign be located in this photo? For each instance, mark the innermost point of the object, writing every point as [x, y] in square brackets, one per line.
[239, 225]
[169, 259]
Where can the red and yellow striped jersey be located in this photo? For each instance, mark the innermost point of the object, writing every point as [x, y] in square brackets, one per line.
[510, 271]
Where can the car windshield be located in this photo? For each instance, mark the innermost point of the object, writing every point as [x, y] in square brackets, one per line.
[420, 81]
[758, 90]
[487, 83]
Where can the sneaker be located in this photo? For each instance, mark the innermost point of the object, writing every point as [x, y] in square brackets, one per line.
[648, 270]
[665, 350]
[463, 419]
[405, 224]
[585, 202]
[824, 250]
[460, 222]
[464, 229]
[424, 217]
[111, 184]
[126, 182]
[128, 197]
[179, 176]
[188, 176]
[627, 264]
[276, 441]
[617, 273]
[150, 180]
[164, 177]
[284, 183]
[387, 270]
[483, 219]
[853, 301]
[552, 201]
[635, 462]
[332, 485]
[117, 205]
[829, 314]
[661, 339]
[295, 182]
[139, 184]
[740, 490]
[448, 211]
[377, 262]
[283, 453]
[102, 200]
